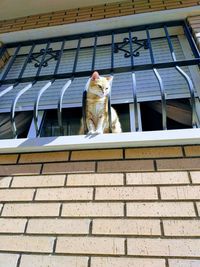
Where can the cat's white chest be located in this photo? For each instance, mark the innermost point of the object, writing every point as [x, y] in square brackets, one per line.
[98, 108]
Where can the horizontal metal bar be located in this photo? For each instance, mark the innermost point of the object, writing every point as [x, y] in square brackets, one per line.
[99, 33]
[108, 71]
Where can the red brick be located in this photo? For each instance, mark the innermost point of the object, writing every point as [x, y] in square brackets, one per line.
[69, 167]
[179, 164]
[97, 154]
[20, 169]
[126, 165]
[44, 157]
[8, 159]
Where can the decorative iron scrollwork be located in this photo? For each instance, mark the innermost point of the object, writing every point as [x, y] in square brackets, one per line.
[126, 41]
[51, 55]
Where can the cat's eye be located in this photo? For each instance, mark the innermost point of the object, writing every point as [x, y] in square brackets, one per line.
[100, 86]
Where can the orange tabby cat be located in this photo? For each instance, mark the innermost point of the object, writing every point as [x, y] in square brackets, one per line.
[97, 107]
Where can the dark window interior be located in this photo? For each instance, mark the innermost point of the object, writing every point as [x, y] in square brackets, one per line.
[178, 115]
[71, 120]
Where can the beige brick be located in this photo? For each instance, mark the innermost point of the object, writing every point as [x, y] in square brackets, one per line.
[126, 262]
[150, 178]
[31, 210]
[90, 245]
[127, 165]
[52, 261]
[95, 179]
[44, 157]
[65, 194]
[126, 227]
[126, 193]
[198, 207]
[12, 225]
[5, 182]
[192, 150]
[154, 152]
[16, 194]
[69, 167]
[97, 154]
[38, 181]
[160, 209]
[184, 263]
[164, 247]
[93, 209]
[8, 159]
[58, 226]
[178, 164]
[8, 260]
[26, 243]
[195, 176]
[20, 169]
[180, 192]
[182, 227]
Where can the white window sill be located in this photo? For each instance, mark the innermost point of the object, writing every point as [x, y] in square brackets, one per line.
[134, 139]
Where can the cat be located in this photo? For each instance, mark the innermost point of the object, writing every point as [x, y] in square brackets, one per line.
[97, 118]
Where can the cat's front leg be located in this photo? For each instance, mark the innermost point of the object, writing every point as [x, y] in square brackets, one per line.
[91, 126]
[100, 125]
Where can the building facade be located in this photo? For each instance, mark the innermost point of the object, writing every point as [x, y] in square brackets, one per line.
[129, 199]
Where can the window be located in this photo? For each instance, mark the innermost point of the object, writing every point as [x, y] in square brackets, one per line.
[156, 82]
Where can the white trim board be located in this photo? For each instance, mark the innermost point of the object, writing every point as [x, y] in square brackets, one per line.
[102, 24]
[136, 139]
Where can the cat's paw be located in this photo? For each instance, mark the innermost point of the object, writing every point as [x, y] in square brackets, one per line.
[91, 132]
[99, 131]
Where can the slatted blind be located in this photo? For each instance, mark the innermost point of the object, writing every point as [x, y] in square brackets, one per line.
[147, 85]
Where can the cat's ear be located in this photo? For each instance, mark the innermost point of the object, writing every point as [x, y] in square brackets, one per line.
[95, 76]
[109, 78]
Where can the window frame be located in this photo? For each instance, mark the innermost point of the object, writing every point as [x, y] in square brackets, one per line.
[131, 139]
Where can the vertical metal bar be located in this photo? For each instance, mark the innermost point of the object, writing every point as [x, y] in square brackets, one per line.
[109, 95]
[94, 53]
[59, 57]
[186, 77]
[64, 88]
[134, 86]
[191, 41]
[170, 43]
[76, 56]
[42, 60]
[10, 63]
[26, 61]
[42, 90]
[160, 82]
[150, 46]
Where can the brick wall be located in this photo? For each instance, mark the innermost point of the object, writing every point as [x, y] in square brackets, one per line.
[134, 207]
[4, 57]
[195, 25]
[92, 13]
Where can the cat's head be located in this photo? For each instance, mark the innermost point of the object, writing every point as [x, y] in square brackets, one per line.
[99, 85]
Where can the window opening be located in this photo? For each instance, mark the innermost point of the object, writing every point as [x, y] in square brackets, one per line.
[144, 75]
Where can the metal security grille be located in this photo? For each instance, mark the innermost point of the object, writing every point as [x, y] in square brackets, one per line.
[147, 63]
